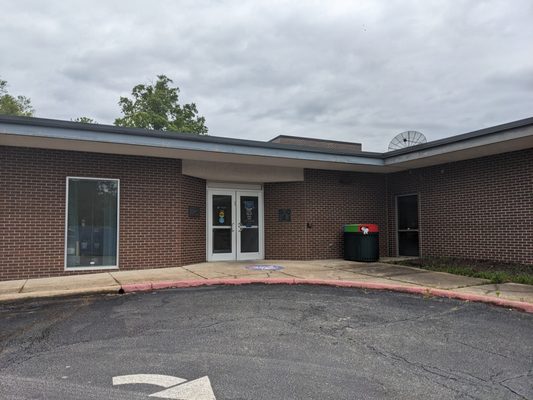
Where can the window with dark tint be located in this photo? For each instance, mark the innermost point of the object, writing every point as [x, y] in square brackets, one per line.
[221, 210]
[408, 243]
[92, 223]
[222, 220]
[249, 224]
[408, 212]
[249, 211]
[408, 236]
[221, 240]
[250, 240]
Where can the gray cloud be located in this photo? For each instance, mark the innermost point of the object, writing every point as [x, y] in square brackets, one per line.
[360, 71]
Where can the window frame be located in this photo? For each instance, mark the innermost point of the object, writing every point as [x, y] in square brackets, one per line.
[100, 267]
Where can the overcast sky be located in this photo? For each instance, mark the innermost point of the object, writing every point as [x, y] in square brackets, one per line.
[347, 70]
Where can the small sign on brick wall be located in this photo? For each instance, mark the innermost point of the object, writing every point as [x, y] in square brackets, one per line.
[284, 215]
[194, 212]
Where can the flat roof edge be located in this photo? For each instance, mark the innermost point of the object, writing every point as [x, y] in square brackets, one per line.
[462, 137]
[177, 143]
[80, 126]
[246, 143]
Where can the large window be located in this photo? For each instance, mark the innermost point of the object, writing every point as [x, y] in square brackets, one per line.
[92, 223]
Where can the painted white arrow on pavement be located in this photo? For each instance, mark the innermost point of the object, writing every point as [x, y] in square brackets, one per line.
[149, 379]
[198, 389]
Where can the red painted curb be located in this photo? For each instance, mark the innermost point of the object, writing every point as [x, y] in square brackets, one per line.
[426, 291]
[137, 287]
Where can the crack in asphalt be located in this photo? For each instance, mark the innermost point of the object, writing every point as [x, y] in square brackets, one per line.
[483, 350]
[364, 334]
[343, 332]
[514, 392]
[46, 324]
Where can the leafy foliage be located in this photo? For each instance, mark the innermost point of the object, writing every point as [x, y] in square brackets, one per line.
[11, 105]
[156, 107]
[85, 120]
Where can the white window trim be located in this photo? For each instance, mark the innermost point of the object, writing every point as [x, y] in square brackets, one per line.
[100, 267]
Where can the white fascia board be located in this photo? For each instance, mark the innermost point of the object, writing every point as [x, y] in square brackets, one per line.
[181, 144]
[510, 140]
[175, 147]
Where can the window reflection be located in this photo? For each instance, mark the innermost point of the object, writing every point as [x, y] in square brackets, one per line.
[92, 222]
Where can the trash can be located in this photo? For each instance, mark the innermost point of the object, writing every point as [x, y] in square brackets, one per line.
[361, 242]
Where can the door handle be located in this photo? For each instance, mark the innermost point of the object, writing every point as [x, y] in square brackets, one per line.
[240, 226]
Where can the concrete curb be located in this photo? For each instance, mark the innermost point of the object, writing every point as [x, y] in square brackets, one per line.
[58, 293]
[425, 291]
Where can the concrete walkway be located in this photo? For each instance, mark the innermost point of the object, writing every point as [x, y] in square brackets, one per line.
[330, 272]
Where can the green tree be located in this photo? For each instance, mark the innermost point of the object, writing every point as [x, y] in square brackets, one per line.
[156, 107]
[11, 105]
[85, 120]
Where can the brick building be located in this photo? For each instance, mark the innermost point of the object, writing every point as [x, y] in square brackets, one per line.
[80, 198]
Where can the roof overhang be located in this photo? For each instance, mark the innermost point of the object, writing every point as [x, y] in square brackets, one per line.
[64, 135]
[170, 145]
[479, 146]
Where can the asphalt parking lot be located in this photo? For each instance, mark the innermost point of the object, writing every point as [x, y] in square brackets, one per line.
[264, 342]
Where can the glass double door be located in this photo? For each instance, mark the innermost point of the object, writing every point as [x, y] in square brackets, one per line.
[235, 225]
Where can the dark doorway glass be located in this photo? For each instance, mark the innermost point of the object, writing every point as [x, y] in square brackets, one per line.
[249, 211]
[408, 243]
[222, 220]
[221, 210]
[249, 240]
[408, 237]
[408, 212]
[249, 224]
[221, 240]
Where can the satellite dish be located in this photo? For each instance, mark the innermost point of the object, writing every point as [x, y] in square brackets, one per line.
[406, 139]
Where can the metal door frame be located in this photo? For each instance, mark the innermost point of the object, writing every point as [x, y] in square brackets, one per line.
[235, 194]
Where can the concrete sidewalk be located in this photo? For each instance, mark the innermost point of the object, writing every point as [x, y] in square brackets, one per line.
[331, 272]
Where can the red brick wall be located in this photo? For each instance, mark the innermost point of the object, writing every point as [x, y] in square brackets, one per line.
[193, 228]
[285, 240]
[464, 206]
[480, 208]
[153, 209]
[326, 200]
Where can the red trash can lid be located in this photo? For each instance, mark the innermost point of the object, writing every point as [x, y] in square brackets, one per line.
[368, 228]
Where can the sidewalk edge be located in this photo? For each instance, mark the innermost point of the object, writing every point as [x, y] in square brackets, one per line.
[425, 291]
[4, 298]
